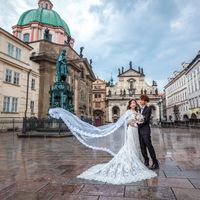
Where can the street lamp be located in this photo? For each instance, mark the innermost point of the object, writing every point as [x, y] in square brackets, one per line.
[160, 103]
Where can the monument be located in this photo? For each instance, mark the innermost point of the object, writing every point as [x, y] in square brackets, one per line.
[61, 95]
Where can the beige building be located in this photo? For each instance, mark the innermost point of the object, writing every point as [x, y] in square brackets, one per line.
[99, 102]
[130, 85]
[193, 87]
[176, 93]
[19, 78]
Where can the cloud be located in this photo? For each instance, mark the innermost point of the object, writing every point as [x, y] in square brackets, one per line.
[156, 35]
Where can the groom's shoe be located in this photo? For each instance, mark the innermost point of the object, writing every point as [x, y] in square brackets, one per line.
[146, 164]
[155, 165]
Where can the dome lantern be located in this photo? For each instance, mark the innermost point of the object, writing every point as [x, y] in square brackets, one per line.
[46, 4]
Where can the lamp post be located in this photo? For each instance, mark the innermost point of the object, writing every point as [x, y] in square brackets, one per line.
[160, 103]
[27, 92]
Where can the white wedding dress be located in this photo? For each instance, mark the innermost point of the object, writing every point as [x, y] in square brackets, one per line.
[126, 166]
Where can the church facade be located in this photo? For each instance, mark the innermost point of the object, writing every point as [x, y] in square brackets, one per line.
[130, 84]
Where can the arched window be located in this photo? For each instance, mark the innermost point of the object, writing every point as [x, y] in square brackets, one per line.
[26, 37]
[50, 37]
[131, 84]
[46, 6]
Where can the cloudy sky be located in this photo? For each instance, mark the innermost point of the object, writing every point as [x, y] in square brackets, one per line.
[157, 35]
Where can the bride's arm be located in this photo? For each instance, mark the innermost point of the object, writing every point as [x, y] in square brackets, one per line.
[129, 118]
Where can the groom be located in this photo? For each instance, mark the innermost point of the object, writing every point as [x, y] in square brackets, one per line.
[145, 134]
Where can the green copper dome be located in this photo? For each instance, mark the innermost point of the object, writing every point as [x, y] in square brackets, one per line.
[43, 16]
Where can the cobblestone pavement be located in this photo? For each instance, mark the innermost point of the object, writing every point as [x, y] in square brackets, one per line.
[39, 168]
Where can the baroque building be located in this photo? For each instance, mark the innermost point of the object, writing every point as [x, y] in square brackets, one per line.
[48, 34]
[19, 78]
[176, 94]
[131, 84]
[98, 102]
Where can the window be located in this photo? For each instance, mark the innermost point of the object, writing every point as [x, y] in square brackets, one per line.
[16, 78]
[82, 72]
[8, 77]
[18, 53]
[26, 37]
[6, 104]
[115, 111]
[33, 84]
[46, 6]
[50, 37]
[10, 49]
[32, 107]
[20, 35]
[14, 104]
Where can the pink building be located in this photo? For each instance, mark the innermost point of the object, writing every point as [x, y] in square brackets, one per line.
[32, 24]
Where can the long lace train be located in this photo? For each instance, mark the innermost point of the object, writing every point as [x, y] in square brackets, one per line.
[125, 167]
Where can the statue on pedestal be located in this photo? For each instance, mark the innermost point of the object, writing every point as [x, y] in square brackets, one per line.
[61, 94]
[61, 67]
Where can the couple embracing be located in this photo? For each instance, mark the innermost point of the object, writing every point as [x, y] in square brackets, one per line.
[123, 139]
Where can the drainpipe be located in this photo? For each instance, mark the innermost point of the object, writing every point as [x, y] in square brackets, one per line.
[27, 90]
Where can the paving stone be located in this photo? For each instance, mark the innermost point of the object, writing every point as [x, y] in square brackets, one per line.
[105, 190]
[183, 174]
[187, 194]
[74, 197]
[170, 182]
[149, 192]
[195, 182]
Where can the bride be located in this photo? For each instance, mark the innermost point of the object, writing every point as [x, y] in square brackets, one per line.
[120, 139]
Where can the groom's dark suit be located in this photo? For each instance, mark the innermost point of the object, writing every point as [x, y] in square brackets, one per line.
[145, 136]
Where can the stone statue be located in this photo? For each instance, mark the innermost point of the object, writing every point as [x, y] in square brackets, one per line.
[46, 34]
[122, 69]
[90, 61]
[61, 67]
[124, 93]
[119, 70]
[130, 64]
[142, 72]
[81, 52]
[109, 93]
[121, 92]
[156, 91]
[68, 39]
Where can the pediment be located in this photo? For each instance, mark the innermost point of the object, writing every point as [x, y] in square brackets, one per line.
[131, 73]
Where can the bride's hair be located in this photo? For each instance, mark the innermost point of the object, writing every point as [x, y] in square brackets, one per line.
[129, 103]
